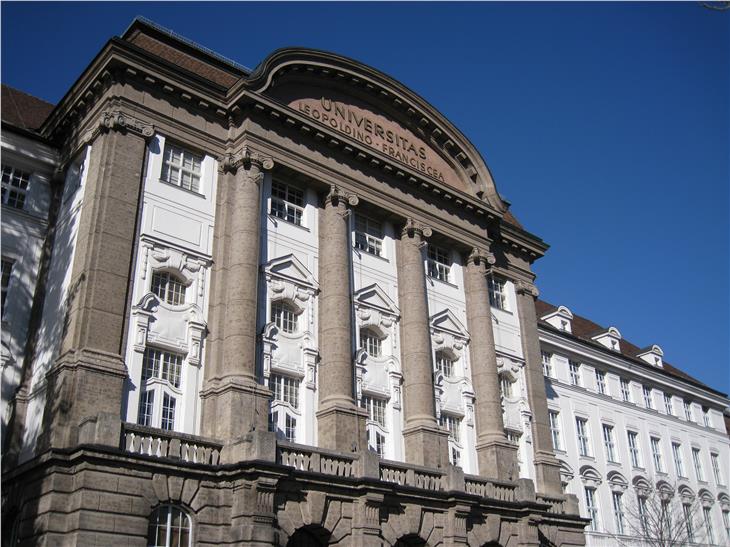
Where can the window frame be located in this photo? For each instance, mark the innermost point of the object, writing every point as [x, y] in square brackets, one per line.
[583, 437]
[625, 390]
[678, 460]
[498, 297]
[174, 288]
[574, 369]
[592, 507]
[716, 469]
[6, 277]
[668, 404]
[371, 342]
[555, 433]
[618, 511]
[547, 364]
[452, 424]
[168, 526]
[634, 449]
[655, 443]
[444, 363]
[365, 239]
[609, 443]
[287, 203]
[439, 263]
[168, 166]
[601, 385]
[288, 324]
[697, 463]
[647, 394]
[19, 191]
[162, 388]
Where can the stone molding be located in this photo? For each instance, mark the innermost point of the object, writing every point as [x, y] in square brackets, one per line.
[481, 257]
[245, 157]
[527, 288]
[413, 229]
[117, 120]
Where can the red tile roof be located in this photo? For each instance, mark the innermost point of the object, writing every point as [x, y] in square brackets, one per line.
[23, 110]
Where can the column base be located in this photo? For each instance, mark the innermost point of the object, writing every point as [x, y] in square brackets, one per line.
[547, 475]
[497, 460]
[234, 407]
[342, 427]
[427, 446]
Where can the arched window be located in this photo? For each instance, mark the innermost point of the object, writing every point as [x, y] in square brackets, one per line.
[372, 343]
[444, 364]
[168, 288]
[161, 379]
[169, 526]
[285, 316]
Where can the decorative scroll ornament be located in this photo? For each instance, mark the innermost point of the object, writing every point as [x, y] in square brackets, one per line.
[480, 257]
[247, 158]
[119, 121]
[525, 287]
[336, 196]
[413, 228]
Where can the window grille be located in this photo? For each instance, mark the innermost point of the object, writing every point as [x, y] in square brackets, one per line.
[163, 365]
[287, 203]
[290, 431]
[708, 525]
[181, 168]
[14, 187]
[146, 406]
[688, 521]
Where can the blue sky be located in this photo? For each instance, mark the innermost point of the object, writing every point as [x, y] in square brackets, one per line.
[606, 125]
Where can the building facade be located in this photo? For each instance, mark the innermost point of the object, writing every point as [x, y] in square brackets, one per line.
[276, 307]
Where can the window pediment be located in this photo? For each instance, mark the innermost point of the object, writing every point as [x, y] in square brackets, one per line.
[446, 322]
[373, 296]
[290, 269]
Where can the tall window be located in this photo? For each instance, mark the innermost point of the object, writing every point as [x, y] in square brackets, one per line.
[581, 428]
[726, 522]
[290, 428]
[452, 424]
[444, 364]
[643, 513]
[625, 391]
[648, 402]
[697, 460]
[547, 364]
[555, 429]
[284, 315]
[715, 459]
[688, 411]
[169, 526]
[574, 367]
[668, 407]
[601, 382]
[618, 511]
[380, 444]
[286, 389]
[678, 462]
[371, 342]
[181, 168]
[634, 452]
[14, 187]
[368, 235]
[497, 292]
[656, 454]
[609, 443]
[506, 386]
[688, 521]
[706, 416]
[592, 507]
[287, 203]
[7, 271]
[375, 408]
[161, 378]
[708, 525]
[439, 263]
[168, 288]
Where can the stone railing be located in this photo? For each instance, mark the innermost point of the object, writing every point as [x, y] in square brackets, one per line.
[149, 441]
[411, 475]
[315, 460]
[490, 488]
[557, 505]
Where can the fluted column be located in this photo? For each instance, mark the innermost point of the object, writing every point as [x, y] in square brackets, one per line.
[234, 403]
[425, 443]
[496, 456]
[340, 424]
[547, 466]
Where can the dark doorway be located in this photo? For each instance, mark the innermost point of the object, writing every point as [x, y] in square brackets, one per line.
[410, 540]
[309, 537]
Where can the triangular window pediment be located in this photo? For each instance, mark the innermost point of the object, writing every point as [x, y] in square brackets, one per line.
[373, 296]
[446, 321]
[290, 268]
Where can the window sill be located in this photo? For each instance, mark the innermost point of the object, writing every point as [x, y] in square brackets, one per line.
[448, 283]
[276, 220]
[615, 464]
[192, 192]
[508, 312]
[589, 458]
[363, 251]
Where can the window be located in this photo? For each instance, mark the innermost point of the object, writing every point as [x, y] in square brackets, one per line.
[380, 444]
[163, 365]
[697, 460]
[656, 454]
[688, 516]
[726, 522]
[581, 427]
[648, 403]
[444, 364]
[284, 315]
[7, 271]
[688, 411]
[455, 456]
[643, 514]
[601, 382]
[287, 203]
[547, 364]
[497, 292]
[452, 424]
[168, 288]
[375, 408]
[370, 341]
[574, 367]
[368, 235]
[290, 431]
[668, 407]
[181, 168]
[625, 391]
[439, 263]
[286, 390]
[146, 405]
[592, 507]
[706, 417]
[609, 443]
[555, 429]
[678, 462]
[633, 438]
[618, 511]
[708, 525]
[168, 412]
[169, 526]
[14, 187]
[161, 379]
[715, 459]
[506, 386]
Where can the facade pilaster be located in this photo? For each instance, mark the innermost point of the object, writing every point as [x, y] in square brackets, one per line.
[235, 404]
[547, 466]
[85, 384]
[496, 457]
[341, 424]
[425, 443]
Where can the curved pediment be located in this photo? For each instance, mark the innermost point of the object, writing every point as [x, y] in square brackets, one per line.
[373, 112]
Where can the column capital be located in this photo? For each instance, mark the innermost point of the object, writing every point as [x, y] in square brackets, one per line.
[231, 161]
[116, 120]
[481, 257]
[337, 196]
[413, 229]
[527, 288]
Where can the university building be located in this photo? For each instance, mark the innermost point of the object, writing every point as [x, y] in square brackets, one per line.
[288, 306]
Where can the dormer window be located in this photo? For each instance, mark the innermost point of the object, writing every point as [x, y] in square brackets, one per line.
[285, 316]
[168, 288]
[610, 338]
[652, 355]
[439, 263]
[562, 319]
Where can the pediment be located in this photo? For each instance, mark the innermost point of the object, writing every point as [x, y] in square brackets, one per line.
[290, 268]
[446, 321]
[373, 296]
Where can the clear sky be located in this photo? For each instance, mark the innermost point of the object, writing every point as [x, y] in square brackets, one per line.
[605, 124]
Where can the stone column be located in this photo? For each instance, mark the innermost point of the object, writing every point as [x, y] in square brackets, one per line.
[340, 423]
[235, 404]
[85, 384]
[425, 443]
[496, 457]
[547, 466]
